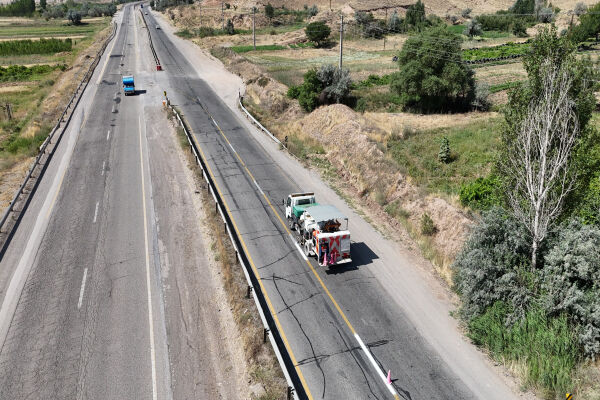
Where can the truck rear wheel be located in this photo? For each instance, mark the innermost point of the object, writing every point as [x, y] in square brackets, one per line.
[307, 248]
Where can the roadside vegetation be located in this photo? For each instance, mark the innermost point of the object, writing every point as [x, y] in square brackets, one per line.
[32, 93]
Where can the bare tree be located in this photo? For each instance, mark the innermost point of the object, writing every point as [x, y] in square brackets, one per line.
[538, 158]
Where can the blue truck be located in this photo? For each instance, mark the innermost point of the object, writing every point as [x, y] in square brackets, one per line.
[128, 85]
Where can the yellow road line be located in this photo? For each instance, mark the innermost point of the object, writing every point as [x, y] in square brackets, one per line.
[256, 273]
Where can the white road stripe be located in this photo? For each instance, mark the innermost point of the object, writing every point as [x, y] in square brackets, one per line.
[103, 167]
[82, 289]
[298, 247]
[375, 366]
[108, 135]
[258, 187]
[232, 148]
[148, 281]
[96, 212]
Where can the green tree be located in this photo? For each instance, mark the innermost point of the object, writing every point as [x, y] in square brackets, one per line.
[473, 28]
[589, 25]
[74, 16]
[269, 11]
[395, 23]
[43, 4]
[317, 32]
[415, 16]
[519, 28]
[432, 77]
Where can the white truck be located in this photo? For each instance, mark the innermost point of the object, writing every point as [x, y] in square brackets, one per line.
[323, 229]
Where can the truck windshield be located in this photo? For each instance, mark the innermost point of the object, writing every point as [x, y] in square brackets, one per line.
[302, 202]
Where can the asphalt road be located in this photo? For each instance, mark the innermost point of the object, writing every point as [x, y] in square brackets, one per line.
[88, 323]
[320, 310]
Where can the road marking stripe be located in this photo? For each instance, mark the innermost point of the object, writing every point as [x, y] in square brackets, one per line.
[108, 135]
[232, 148]
[82, 288]
[103, 166]
[148, 281]
[300, 251]
[258, 187]
[260, 282]
[376, 366]
[96, 211]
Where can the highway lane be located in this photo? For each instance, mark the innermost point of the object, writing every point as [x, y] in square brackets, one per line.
[87, 324]
[319, 328]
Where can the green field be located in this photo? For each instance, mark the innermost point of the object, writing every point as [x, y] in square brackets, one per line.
[49, 29]
[472, 154]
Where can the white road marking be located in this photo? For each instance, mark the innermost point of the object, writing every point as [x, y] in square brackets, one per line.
[148, 281]
[96, 212]
[232, 148]
[103, 167]
[298, 247]
[259, 189]
[108, 135]
[82, 289]
[375, 365]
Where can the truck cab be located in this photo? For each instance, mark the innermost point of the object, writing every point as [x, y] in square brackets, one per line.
[295, 204]
[128, 85]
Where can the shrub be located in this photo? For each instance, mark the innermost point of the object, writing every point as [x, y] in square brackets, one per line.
[492, 266]
[519, 28]
[481, 100]
[590, 211]
[317, 32]
[229, 28]
[444, 153]
[428, 82]
[427, 226]
[571, 282]
[415, 16]
[473, 28]
[312, 11]
[580, 9]
[336, 82]
[309, 91]
[74, 16]
[545, 14]
[395, 23]
[466, 13]
[269, 11]
[481, 194]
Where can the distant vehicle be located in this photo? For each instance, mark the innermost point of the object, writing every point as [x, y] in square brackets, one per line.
[128, 85]
[146, 13]
[157, 27]
[141, 6]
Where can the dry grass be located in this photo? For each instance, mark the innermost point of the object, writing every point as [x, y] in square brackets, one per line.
[262, 362]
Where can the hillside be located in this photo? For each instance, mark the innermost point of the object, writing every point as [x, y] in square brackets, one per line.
[438, 7]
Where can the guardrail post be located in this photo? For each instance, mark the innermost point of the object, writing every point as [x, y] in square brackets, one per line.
[265, 335]
[289, 392]
[248, 292]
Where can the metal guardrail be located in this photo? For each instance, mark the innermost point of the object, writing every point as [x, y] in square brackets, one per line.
[57, 130]
[156, 60]
[295, 388]
[253, 120]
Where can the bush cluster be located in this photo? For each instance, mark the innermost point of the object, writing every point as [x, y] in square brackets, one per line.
[482, 193]
[328, 84]
[75, 11]
[15, 73]
[42, 46]
[18, 8]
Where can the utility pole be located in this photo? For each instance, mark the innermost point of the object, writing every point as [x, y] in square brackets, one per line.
[341, 39]
[253, 27]
[223, 16]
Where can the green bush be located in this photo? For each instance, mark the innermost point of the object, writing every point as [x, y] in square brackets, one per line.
[482, 193]
[293, 92]
[546, 346]
[428, 228]
[317, 32]
[492, 265]
[571, 282]
[505, 50]
[590, 210]
[18, 8]
[444, 153]
[42, 46]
